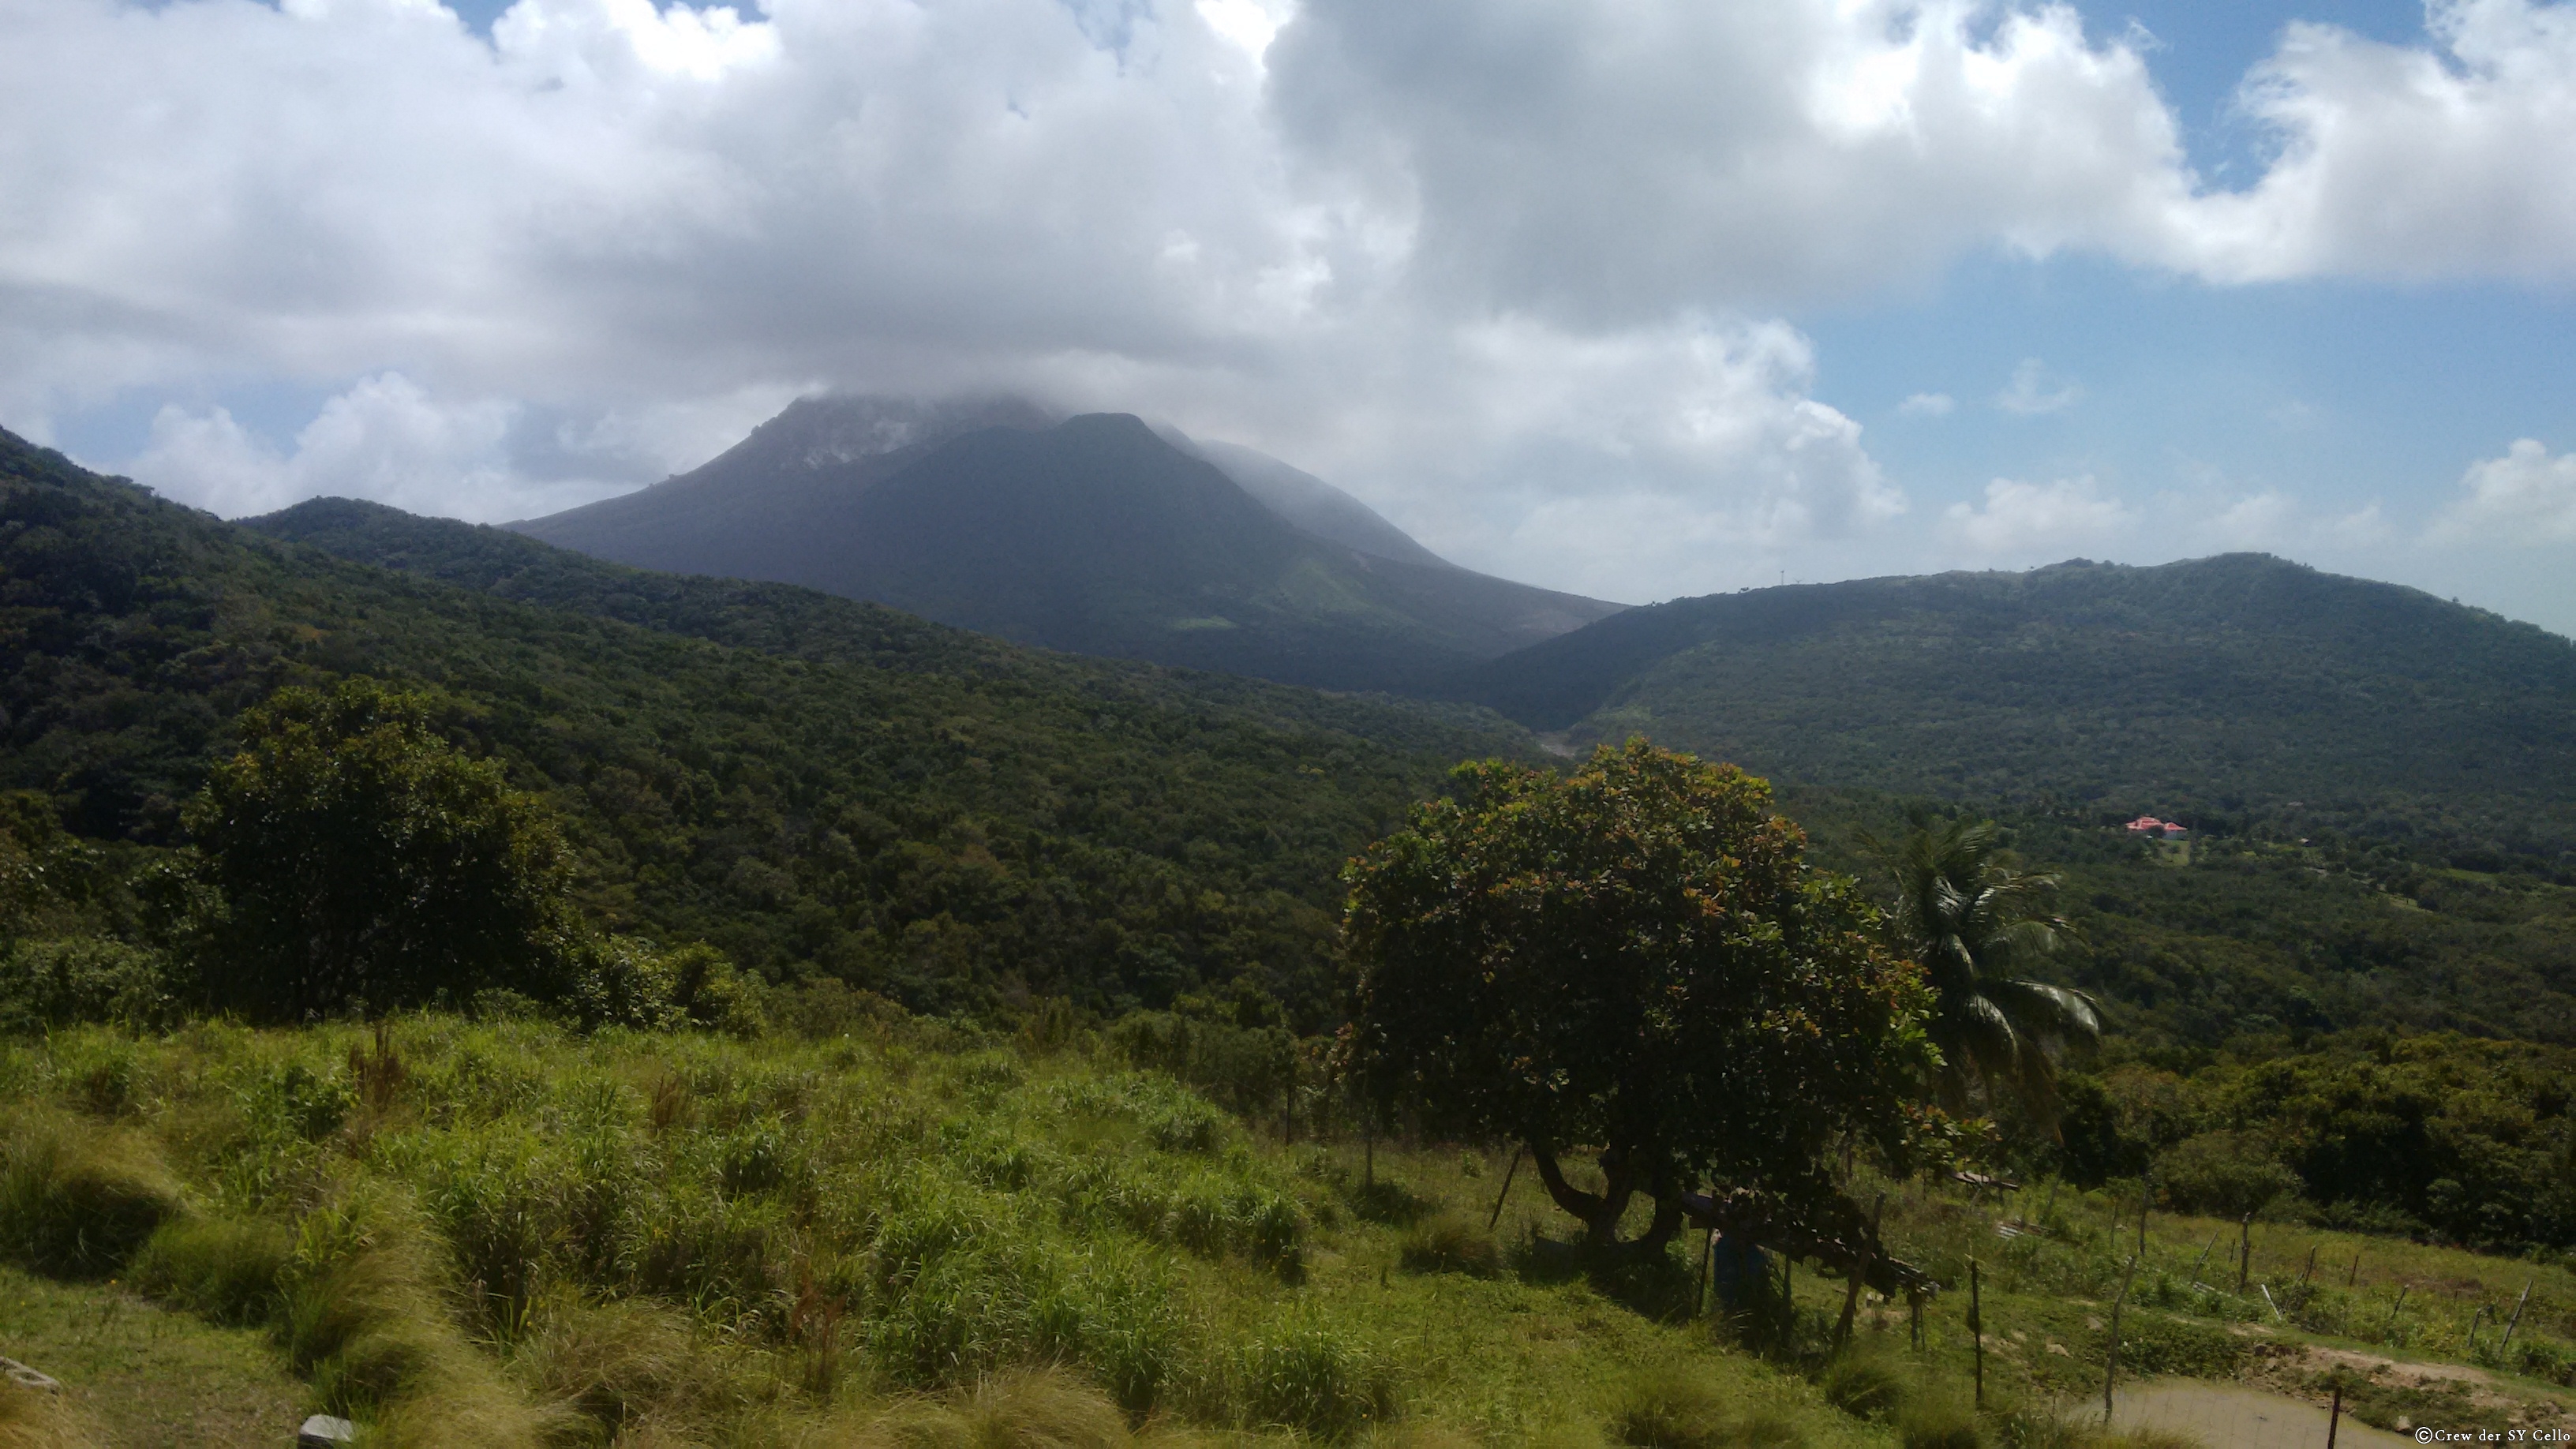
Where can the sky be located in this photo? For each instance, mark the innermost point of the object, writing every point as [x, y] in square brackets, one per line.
[1637, 298]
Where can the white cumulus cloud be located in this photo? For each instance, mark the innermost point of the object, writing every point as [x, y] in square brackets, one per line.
[2028, 523]
[2035, 389]
[2527, 496]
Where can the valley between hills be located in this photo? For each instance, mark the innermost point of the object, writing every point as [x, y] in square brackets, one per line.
[896, 938]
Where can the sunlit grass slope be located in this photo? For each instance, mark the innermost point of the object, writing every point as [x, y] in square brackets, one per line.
[518, 1236]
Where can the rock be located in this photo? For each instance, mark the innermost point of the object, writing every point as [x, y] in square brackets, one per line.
[324, 1432]
[27, 1378]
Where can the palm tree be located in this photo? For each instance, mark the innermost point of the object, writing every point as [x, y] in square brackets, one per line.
[1972, 921]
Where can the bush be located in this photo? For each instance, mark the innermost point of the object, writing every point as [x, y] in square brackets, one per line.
[1451, 1243]
[226, 1269]
[79, 1201]
[2228, 1174]
[622, 981]
[56, 983]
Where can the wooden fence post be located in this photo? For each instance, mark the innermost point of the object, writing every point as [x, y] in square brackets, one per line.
[2111, 1360]
[1507, 1187]
[2517, 1317]
[1977, 1330]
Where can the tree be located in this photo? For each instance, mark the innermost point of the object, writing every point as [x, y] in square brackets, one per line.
[1969, 919]
[1636, 958]
[350, 855]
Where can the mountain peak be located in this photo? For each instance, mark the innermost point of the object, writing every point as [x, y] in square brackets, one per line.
[1096, 533]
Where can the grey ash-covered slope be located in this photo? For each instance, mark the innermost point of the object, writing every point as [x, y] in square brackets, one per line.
[1093, 534]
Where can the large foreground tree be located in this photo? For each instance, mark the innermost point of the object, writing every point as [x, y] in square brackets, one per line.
[1636, 959]
[354, 856]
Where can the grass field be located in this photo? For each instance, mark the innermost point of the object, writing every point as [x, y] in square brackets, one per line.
[503, 1233]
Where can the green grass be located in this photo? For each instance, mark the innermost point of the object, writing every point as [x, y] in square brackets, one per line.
[916, 1235]
[908, 1236]
[139, 1375]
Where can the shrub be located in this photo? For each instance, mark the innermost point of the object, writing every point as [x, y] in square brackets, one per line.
[1450, 1243]
[57, 983]
[77, 1200]
[623, 981]
[226, 1269]
[2226, 1173]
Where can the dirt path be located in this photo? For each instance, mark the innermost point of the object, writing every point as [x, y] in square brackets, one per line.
[2232, 1416]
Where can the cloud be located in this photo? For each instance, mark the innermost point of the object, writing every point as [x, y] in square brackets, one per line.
[2453, 160]
[1641, 464]
[1928, 405]
[2035, 389]
[2528, 496]
[385, 439]
[1512, 268]
[2035, 522]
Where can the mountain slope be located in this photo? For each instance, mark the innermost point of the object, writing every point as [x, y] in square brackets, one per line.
[1308, 502]
[2239, 687]
[1094, 535]
[815, 785]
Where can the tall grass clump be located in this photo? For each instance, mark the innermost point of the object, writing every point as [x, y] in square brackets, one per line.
[1029, 1409]
[227, 1269]
[1863, 1384]
[1309, 1376]
[365, 1319]
[1938, 1421]
[1450, 1242]
[78, 1200]
[621, 1363]
[1671, 1408]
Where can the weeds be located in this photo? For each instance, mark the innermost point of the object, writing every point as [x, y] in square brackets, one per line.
[76, 1200]
[228, 1270]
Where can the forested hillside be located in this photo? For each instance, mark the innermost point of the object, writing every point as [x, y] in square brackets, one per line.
[2228, 692]
[810, 784]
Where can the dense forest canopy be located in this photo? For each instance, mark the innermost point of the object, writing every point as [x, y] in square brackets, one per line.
[2236, 692]
[810, 784]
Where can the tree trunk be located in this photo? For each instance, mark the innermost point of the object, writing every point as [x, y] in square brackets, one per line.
[1599, 1211]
